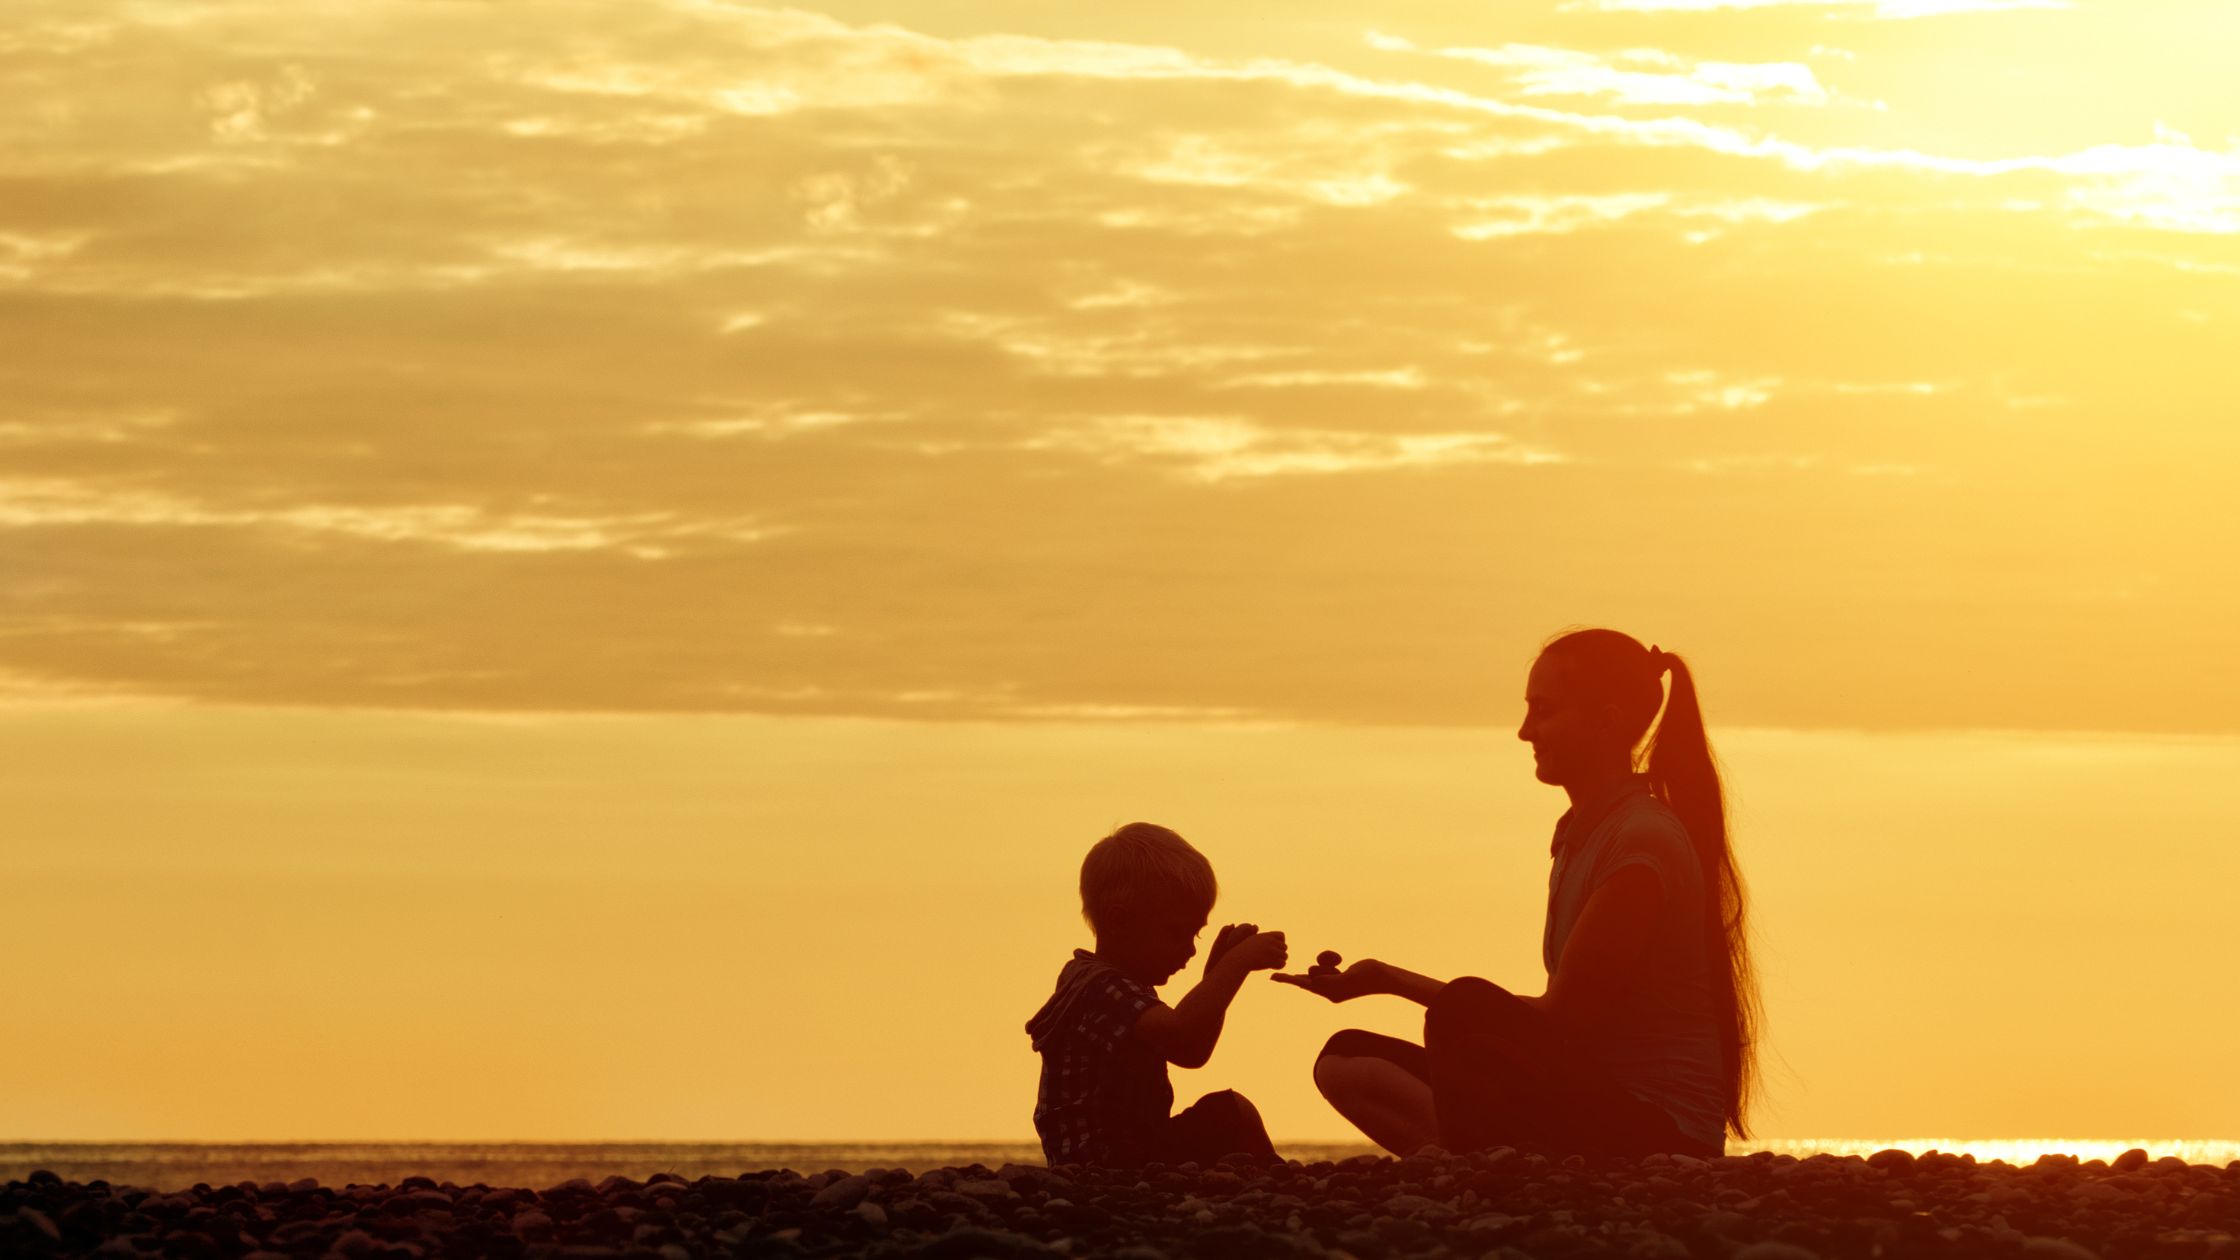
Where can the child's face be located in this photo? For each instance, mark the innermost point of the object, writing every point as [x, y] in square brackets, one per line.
[1151, 949]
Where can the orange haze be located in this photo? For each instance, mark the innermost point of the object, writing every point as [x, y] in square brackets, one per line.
[588, 571]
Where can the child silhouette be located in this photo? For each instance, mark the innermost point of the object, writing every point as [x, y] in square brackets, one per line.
[1105, 1037]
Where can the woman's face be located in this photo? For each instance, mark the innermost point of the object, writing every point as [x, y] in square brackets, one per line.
[1567, 733]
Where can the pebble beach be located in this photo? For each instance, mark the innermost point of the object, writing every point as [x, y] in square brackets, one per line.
[1500, 1203]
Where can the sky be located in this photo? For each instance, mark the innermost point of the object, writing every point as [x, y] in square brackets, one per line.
[594, 567]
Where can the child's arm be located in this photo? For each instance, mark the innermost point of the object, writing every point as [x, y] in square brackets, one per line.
[1184, 1034]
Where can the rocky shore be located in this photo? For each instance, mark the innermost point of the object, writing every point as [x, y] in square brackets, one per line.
[1501, 1203]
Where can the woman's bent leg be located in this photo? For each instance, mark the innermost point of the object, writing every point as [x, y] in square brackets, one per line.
[1503, 1074]
[1486, 1084]
[1382, 1085]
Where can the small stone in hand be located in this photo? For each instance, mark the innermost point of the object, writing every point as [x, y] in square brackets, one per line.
[1328, 958]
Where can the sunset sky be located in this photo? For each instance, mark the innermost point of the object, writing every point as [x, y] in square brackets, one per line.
[578, 570]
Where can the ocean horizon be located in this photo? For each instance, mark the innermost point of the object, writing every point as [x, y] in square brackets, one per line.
[174, 1166]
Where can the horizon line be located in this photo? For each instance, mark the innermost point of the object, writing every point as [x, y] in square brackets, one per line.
[1091, 717]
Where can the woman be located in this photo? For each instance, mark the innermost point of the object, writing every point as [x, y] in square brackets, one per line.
[1644, 1039]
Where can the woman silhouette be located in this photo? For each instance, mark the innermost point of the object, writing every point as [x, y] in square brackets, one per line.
[1644, 1039]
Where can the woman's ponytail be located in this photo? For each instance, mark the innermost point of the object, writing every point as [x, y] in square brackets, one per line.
[1685, 776]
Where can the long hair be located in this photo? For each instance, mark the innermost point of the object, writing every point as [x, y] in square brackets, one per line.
[1616, 669]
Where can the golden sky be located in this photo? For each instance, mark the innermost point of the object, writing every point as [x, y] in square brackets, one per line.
[595, 545]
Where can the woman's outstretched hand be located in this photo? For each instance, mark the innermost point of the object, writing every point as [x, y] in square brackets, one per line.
[1326, 979]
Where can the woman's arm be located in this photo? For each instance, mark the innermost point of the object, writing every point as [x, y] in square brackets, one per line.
[1403, 983]
[1605, 949]
[1366, 978]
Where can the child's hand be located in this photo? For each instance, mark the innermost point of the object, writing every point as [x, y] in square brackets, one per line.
[1228, 938]
[1261, 951]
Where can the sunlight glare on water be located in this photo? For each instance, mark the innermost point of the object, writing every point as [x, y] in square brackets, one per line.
[171, 1166]
[2008, 1150]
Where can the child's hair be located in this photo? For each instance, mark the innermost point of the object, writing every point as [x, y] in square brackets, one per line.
[1140, 867]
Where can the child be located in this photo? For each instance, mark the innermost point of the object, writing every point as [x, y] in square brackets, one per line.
[1105, 1037]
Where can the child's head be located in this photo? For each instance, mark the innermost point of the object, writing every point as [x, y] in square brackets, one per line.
[1146, 894]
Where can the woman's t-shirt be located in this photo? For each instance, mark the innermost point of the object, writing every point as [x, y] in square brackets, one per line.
[1666, 1050]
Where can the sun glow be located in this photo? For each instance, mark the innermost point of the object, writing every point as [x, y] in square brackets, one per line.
[590, 563]
[2013, 1151]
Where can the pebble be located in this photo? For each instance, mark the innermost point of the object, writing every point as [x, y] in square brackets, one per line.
[37, 1223]
[844, 1193]
[1774, 1251]
[2057, 1249]
[1430, 1206]
[987, 1188]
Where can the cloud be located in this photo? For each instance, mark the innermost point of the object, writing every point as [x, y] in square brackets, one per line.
[51, 503]
[706, 356]
[1636, 76]
[1894, 9]
[239, 109]
[1220, 448]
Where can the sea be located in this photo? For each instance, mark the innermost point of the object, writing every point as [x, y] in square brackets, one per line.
[169, 1166]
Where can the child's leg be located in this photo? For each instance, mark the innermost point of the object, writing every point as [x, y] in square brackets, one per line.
[1218, 1125]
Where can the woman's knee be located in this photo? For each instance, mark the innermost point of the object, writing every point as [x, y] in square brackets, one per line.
[1352, 1043]
[1354, 1054]
[1468, 1004]
[1337, 1070]
[1332, 1067]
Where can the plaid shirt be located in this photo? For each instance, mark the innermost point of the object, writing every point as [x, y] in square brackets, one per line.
[1104, 1096]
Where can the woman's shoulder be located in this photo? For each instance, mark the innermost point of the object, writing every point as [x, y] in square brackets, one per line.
[1644, 827]
[1645, 810]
